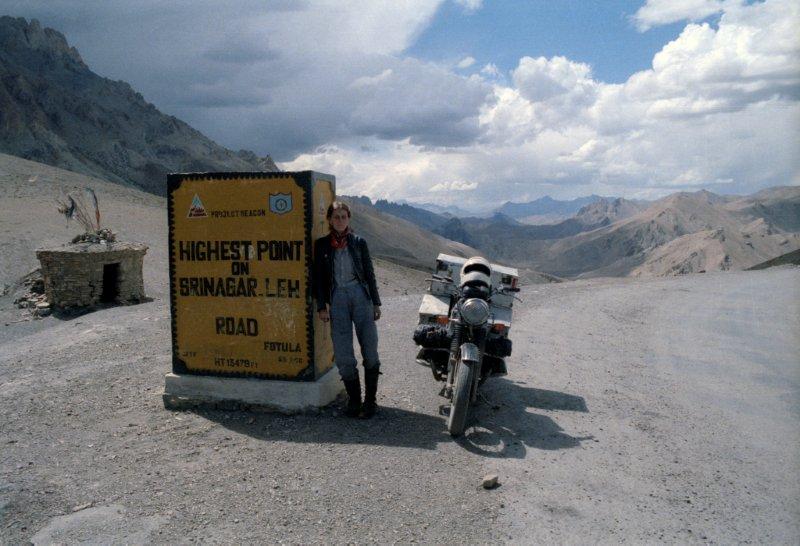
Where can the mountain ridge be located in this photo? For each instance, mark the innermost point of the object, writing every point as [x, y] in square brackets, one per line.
[680, 233]
[546, 209]
[55, 110]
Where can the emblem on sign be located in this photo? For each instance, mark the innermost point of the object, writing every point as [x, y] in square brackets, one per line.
[197, 210]
[280, 203]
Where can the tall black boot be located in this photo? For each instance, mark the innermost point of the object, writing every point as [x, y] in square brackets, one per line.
[353, 387]
[370, 390]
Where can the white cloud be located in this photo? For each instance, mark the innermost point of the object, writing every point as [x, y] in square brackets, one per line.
[372, 81]
[470, 5]
[559, 88]
[330, 86]
[421, 101]
[542, 79]
[662, 12]
[466, 62]
[719, 109]
[753, 56]
[454, 185]
[490, 70]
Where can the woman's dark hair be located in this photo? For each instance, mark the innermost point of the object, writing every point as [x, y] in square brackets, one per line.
[337, 205]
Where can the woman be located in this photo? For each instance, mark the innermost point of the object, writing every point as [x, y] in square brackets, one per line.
[347, 295]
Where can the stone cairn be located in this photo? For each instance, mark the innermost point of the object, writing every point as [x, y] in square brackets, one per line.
[93, 269]
[34, 297]
[77, 276]
[101, 236]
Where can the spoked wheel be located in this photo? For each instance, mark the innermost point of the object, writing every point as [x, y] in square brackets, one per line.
[462, 391]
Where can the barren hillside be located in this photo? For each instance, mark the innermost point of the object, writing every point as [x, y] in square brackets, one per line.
[400, 241]
[681, 233]
[28, 217]
[608, 211]
[28, 220]
[779, 207]
[55, 110]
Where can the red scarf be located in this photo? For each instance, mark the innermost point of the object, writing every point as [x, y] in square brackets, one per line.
[339, 241]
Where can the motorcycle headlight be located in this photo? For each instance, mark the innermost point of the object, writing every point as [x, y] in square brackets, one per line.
[475, 311]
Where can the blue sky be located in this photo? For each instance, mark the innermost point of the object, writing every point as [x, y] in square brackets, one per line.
[599, 33]
[469, 102]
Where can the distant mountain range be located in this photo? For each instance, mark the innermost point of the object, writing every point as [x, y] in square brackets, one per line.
[544, 208]
[55, 110]
[681, 233]
[444, 210]
[419, 216]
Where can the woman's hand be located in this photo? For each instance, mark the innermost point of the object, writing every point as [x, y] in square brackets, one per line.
[324, 315]
[376, 309]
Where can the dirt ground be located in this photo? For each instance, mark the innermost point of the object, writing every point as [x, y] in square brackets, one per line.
[653, 411]
[643, 411]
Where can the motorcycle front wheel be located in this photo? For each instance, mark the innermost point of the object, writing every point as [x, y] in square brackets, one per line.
[461, 395]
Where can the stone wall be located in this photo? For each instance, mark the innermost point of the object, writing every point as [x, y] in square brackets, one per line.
[73, 274]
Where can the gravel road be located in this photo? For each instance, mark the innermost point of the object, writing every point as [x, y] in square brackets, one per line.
[658, 410]
[661, 410]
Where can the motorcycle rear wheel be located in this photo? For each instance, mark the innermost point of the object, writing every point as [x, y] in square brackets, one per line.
[461, 395]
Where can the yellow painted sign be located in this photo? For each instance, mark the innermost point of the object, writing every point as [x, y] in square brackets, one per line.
[240, 273]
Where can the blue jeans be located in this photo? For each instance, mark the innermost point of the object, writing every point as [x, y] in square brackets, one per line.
[350, 306]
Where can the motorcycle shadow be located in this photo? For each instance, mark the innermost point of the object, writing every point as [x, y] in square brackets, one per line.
[502, 426]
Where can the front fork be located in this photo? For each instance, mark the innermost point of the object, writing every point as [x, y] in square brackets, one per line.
[466, 353]
[471, 353]
[452, 363]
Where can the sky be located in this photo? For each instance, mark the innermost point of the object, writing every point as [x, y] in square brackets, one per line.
[469, 102]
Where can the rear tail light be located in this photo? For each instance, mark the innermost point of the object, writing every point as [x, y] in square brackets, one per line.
[441, 319]
[499, 328]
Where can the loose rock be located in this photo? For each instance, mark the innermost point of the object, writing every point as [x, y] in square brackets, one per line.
[490, 481]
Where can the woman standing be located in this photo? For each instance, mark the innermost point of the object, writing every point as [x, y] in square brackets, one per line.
[347, 295]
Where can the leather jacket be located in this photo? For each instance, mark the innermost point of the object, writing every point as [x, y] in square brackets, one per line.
[323, 269]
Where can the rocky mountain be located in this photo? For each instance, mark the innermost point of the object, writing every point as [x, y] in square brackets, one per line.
[508, 239]
[55, 110]
[779, 207]
[399, 240]
[402, 234]
[419, 216]
[444, 210]
[607, 211]
[406, 243]
[760, 228]
[683, 233]
[455, 230]
[790, 258]
[546, 210]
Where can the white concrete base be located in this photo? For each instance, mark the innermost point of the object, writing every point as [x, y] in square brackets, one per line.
[182, 391]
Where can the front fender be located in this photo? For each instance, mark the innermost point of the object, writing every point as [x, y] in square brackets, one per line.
[470, 353]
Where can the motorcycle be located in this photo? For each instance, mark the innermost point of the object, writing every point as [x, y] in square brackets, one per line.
[462, 334]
